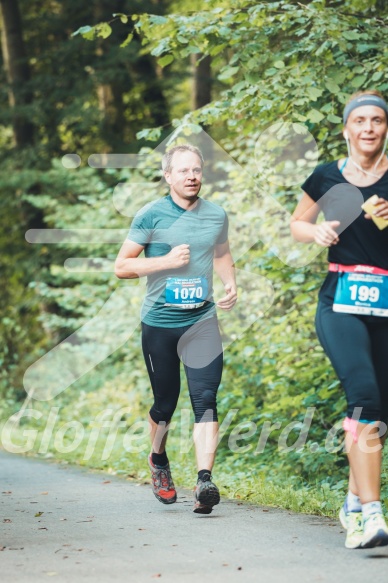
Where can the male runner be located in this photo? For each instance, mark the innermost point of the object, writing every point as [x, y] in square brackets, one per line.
[183, 238]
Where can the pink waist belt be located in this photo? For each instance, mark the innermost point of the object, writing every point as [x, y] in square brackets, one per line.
[357, 269]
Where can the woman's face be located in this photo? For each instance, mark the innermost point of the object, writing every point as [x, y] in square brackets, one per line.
[366, 129]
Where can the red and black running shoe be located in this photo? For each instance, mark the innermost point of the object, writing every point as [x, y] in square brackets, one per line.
[206, 496]
[162, 484]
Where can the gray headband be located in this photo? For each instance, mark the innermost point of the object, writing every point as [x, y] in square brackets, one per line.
[365, 100]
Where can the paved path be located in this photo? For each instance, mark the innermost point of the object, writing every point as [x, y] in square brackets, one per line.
[72, 525]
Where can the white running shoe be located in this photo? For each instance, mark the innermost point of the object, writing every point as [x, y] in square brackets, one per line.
[354, 525]
[375, 531]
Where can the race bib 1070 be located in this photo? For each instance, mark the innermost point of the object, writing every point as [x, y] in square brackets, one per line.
[361, 293]
[186, 292]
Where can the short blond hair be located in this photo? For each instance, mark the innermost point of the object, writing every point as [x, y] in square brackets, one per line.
[167, 158]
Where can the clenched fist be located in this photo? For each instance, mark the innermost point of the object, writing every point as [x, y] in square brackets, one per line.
[325, 234]
[178, 257]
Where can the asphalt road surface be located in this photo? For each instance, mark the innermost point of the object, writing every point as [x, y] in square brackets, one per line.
[66, 524]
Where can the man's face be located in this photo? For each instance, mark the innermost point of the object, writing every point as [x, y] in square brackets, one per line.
[185, 176]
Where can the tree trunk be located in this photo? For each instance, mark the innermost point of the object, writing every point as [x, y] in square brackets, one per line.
[109, 92]
[152, 96]
[17, 69]
[381, 7]
[202, 80]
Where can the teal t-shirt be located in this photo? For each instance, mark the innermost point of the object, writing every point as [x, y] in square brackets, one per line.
[182, 296]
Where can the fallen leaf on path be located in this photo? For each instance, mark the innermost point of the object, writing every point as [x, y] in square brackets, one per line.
[107, 482]
[42, 528]
[43, 493]
[7, 520]
[39, 514]
[7, 492]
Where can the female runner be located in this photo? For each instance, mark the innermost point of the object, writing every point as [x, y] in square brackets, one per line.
[352, 313]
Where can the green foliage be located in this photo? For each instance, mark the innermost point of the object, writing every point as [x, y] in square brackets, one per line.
[273, 64]
[19, 306]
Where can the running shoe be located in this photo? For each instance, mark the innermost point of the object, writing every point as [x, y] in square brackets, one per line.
[162, 484]
[206, 495]
[375, 531]
[354, 526]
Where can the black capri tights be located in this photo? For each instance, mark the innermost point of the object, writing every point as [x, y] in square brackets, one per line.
[199, 346]
[358, 349]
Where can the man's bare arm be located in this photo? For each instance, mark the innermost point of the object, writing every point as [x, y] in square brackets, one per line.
[224, 267]
[129, 265]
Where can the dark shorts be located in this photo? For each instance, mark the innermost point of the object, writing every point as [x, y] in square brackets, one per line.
[199, 347]
[358, 349]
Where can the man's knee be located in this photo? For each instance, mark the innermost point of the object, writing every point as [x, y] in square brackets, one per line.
[161, 415]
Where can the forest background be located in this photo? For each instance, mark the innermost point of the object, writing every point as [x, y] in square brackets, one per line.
[118, 76]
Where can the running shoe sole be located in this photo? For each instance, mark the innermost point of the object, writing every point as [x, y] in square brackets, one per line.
[379, 539]
[206, 499]
[165, 500]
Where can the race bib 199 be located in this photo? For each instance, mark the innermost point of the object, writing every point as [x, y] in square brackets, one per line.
[361, 293]
[186, 292]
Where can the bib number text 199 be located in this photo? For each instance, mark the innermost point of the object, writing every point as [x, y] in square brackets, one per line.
[364, 293]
